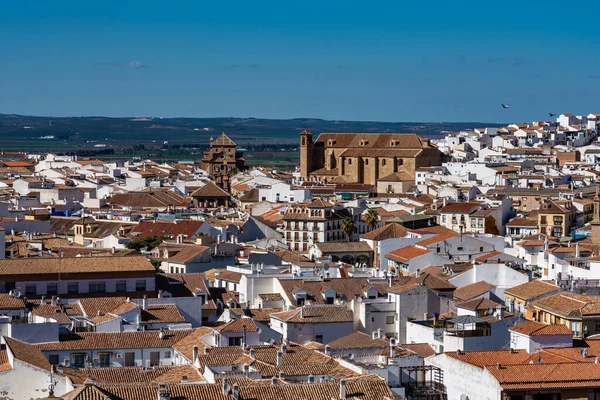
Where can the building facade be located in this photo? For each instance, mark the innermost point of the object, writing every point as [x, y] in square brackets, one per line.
[364, 158]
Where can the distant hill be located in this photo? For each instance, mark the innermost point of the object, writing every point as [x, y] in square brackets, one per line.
[29, 132]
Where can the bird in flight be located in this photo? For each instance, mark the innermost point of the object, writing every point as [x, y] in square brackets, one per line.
[505, 105]
[552, 115]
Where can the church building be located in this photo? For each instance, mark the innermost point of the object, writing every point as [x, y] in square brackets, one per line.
[364, 158]
[222, 160]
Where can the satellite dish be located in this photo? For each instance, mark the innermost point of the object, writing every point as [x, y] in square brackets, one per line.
[490, 310]
[17, 294]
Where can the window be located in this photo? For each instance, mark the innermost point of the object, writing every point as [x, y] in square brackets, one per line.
[53, 359]
[78, 360]
[154, 358]
[31, 290]
[319, 338]
[597, 326]
[460, 248]
[104, 359]
[576, 328]
[389, 320]
[481, 249]
[130, 359]
[167, 354]
[140, 286]
[329, 300]
[366, 161]
[349, 161]
[73, 288]
[97, 287]
[52, 288]
[121, 286]
[235, 341]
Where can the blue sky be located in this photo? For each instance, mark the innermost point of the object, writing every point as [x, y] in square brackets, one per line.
[352, 60]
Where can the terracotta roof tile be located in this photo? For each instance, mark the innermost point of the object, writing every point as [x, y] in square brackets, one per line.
[120, 340]
[316, 314]
[405, 254]
[35, 266]
[437, 238]
[27, 353]
[389, 231]
[473, 290]
[531, 290]
[532, 328]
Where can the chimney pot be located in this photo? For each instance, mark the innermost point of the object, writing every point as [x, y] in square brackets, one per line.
[342, 389]
[225, 387]
[279, 358]
[195, 353]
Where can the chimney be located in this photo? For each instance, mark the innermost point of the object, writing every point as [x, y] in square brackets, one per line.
[43, 301]
[161, 333]
[246, 369]
[283, 348]
[279, 358]
[281, 375]
[160, 292]
[327, 350]
[302, 312]
[425, 316]
[274, 381]
[418, 273]
[225, 387]
[219, 238]
[577, 250]
[179, 238]
[392, 347]
[252, 353]
[206, 351]
[53, 301]
[342, 388]
[195, 353]
[184, 379]
[390, 281]
[145, 303]
[311, 378]
[236, 392]
[379, 333]
[163, 392]
[499, 312]
[112, 250]
[498, 366]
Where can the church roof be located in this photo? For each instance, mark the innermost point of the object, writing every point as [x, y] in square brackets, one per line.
[373, 140]
[210, 190]
[223, 140]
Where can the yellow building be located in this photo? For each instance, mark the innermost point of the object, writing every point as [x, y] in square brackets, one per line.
[557, 218]
[519, 298]
[581, 313]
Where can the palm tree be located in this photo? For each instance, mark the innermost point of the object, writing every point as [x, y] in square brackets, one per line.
[348, 226]
[371, 218]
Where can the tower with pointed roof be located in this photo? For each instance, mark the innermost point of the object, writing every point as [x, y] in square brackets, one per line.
[222, 160]
[596, 220]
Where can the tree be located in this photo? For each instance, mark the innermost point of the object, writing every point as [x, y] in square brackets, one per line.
[149, 242]
[348, 226]
[371, 218]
